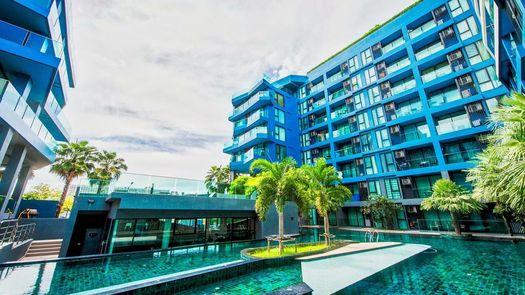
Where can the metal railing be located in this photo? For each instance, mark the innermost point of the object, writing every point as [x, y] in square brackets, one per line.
[12, 232]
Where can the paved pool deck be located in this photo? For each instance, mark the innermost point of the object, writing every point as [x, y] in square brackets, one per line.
[331, 274]
[352, 248]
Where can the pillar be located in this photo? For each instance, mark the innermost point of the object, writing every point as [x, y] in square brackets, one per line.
[23, 178]
[6, 134]
[10, 176]
[166, 233]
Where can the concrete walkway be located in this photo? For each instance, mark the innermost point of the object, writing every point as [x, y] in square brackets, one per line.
[352, 248]
[485, 236]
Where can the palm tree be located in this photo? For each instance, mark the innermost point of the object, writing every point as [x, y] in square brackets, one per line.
[277, 183]
[217, 179]
[73, 159]
[325, 190]
[507, 156]
[448, 196]
[108, 167]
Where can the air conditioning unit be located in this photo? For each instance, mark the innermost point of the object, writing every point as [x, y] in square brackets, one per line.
[476, 123]
[411, 209]
[356, 140]
[458, 67]
[351, 120]
[385, 85]
[464, 80]
[311, 101]
[447, 32]
[377, 46]
[363, 185]
[455, 55]
[359, 162]
[390, 106]
[343, 67]
[315, 151]
[466, 93]
[349, 100]
[381, 66]
[311, 117]
[395, 129]
[310, 85]
[475, 107]
[399, 154]
[346, 83]
[406, 181]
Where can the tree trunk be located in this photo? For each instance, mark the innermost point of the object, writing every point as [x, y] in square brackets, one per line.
[507, 219]
[63, 196]
[457, 228]
[281, 232]
[326, 229]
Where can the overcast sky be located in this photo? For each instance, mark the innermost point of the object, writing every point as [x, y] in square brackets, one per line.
[154, 79]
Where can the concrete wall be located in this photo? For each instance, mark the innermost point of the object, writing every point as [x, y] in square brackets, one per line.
[47, 228]
[46, 208]
[271, 225]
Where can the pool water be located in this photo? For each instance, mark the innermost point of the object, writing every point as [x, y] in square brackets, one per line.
[457, 267]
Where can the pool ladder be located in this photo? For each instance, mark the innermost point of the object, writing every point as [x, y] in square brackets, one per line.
[371, 236]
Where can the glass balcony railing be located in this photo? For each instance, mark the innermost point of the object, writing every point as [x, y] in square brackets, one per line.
[248, 136]
[462, 156]
[422, 29]
[398, 65]
[337, 94]
[13, 100]
[429, 50]
[254, 153]
[129, 183]
[417, 162]
[249, 121]
[409, 110]
[350, 173]
[403, 86]
[335, 77]
[319, 103]
[414, 135]
[246, 105]
[317, 87]
[446, 96]
[456, 124]
[346, 151]
[439, 71]
[339, 113]
[319, 120]
[31, 40]
[393, 45]
[343, 131]
[53, 106]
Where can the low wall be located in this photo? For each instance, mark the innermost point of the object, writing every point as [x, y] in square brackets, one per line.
[45, 208]
[10, 252]
[47, 228]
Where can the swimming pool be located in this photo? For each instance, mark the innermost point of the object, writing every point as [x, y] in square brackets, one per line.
[458, 267]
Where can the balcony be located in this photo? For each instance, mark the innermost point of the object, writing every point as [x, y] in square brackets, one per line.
[393, 45]
[422, 29]
[350, 172]
[348, 150]
[31, 40]
[414, 135]
[347, 129]
[467, 155]
[453, 124]
[254, 153]
[259, 96]
[54, 111]
[247, 122]
[398, 65]
[260, 132]
[335, 77]
[429, 50]
[338, 113]
[337, 94]
[319, 103]
[447, 95]
[403, 86]
[435, 72]
[410, 109]
[17, 103]
[417, 162]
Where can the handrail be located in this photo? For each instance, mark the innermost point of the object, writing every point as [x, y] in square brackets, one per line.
[12, 232]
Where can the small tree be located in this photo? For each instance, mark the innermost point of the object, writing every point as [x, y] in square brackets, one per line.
[450, 197]
[382, 208]
[324, 188]
[73, 159]
[276, 184]
[68, 205]
[240, 186]
[217, 179]
[107, 167]
[42, 191]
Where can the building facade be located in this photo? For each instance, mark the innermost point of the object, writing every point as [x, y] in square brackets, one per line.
[395, 111]
[35, 72]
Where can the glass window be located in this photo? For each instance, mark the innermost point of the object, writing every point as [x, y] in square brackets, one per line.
[280, 152]
[280, 133]
[366, 142]
[374, 96]
[388, 163]
[279, 116]
[306, 157]
[355, 81]
[353, 64]
[487, 79]
[467, 28]
[147, 232]
[382, 138]
[444, 95]
[370, 75]
[457, 7]
[363, 121]
[393, 191]
[359, 101]
[452, 122]
[279, 99]
[374, 188]
[492, 104]
[184, 226]
[378, 115]
[370, 165]
[366, 56]
[476, 53]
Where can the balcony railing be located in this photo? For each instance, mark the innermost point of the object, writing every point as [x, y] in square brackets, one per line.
[346, 151]
[53, 106]
[398, 65]
[16, 102]
[393, 45]
[344, 131]
[404, 86]
[413, 135]
[31, 40]
[248, 136]
[335, 77]
[422, 29]
[254, 153]
[429, 50]
[444, 97]
[254, 99]
[417, 162]
[458, 123]
[339, 113]
[350, 173]
[318, 103]
[337, 94]
[462, 156]
[442, 70]
[409, 110]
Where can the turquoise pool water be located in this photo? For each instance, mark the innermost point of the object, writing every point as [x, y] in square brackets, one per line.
[457, 267]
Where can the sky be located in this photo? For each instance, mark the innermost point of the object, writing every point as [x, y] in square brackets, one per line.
[154, 79]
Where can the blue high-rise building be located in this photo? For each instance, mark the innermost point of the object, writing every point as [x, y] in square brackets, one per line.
[396, 110]
[35, 71]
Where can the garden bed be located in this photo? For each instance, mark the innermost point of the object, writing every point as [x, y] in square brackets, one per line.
[292, 251]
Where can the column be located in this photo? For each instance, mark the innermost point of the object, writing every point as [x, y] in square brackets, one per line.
[445, 174]
[23, 178]
[10, 177]
[6, 134]
[166, 233]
